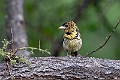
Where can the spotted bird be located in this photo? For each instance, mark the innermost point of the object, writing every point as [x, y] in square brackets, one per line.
[72, 41]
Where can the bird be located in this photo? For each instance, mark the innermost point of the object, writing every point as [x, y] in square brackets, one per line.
[72, 41]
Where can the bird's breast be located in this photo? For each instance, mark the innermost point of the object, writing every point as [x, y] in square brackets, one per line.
[72, 45]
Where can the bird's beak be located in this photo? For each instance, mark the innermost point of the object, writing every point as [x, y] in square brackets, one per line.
[62, 27]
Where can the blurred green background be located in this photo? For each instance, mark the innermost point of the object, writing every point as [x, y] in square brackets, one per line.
[95, 19]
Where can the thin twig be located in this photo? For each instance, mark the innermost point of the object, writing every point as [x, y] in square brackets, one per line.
[32, 48]
[39, 45]
[12, 43]
[107, 38]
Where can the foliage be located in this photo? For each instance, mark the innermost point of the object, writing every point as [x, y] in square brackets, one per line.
[10, 56]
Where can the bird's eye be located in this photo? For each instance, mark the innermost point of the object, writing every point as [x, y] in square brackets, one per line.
[66, 25]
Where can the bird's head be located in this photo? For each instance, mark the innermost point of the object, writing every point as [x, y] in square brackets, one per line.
[69, 27]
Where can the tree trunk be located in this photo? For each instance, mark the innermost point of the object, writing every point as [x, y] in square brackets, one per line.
[62, 68]
[15, 20]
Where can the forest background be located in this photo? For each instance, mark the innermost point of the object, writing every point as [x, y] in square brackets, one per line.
[95, 19]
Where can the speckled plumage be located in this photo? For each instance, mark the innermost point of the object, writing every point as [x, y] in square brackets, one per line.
[72, 41]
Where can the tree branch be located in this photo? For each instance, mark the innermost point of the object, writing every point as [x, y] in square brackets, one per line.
[81, 8]
[63, 68]
[107, 38]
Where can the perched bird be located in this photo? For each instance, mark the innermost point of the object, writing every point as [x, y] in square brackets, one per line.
[72, 41]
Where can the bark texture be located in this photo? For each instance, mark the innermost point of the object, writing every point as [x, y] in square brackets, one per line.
[63, 68]
[15, 20]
